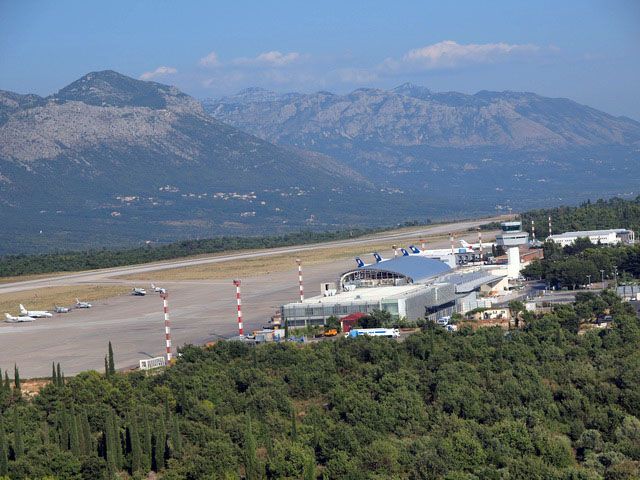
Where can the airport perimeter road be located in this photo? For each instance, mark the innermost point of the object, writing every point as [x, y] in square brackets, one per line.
[200, 311]
[98, 275]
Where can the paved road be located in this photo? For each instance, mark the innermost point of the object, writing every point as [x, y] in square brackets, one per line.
[200, 311]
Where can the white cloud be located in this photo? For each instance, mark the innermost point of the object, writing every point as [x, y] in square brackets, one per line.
[158, 72]
[356, 75]
[449, 54]
[270, 59]
[210, 60]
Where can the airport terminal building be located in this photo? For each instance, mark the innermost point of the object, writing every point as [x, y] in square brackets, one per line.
[408, 287]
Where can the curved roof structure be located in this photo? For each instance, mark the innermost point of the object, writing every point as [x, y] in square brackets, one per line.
[407, 269]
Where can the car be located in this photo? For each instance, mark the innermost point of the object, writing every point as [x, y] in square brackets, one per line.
[443, 321]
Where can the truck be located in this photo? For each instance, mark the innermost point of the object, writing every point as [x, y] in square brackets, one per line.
[374, 332]
[332, 332]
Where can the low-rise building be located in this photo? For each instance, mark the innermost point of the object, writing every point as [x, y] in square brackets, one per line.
[604, 237]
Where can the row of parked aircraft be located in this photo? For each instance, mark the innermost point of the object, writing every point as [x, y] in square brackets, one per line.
[31, 315]
[440, 252]
[141, 291]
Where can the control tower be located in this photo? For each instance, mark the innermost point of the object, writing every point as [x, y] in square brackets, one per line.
[511, 238]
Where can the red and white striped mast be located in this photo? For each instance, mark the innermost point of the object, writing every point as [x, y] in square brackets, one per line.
[395, 250]
[167, 327]
[299, 262]
[549, 225]
[533, 230]
[451, 240]
[237, 284]
[480, 241]
[422, 243]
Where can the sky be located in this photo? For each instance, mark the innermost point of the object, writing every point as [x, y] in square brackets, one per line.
[585, 50]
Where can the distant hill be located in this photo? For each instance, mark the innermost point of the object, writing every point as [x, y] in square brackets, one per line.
[110, 160]
[490, 150]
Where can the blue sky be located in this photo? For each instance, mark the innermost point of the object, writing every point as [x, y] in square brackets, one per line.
[588, 51]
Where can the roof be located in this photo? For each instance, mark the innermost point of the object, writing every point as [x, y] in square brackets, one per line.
[590, 233]
[353, 316]
[364, 295]
[467, 282]
[414, 267]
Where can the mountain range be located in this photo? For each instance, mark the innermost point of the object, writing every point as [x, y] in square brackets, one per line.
[111, 161]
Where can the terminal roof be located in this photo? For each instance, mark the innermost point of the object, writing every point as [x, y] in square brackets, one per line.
[414, 267]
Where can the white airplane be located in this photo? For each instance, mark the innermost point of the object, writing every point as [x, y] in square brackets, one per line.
[157, 289]
[440, 252]
[476, 246]
[61, 309]
[138, 291]
[80, 304]
[34, 313]
[19, 319]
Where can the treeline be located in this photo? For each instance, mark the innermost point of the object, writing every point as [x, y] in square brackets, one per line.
[541, 402]
[583, 262]
[14, 265]
[603, 214]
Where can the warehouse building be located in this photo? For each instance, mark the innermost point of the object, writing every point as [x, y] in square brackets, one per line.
[604, 237]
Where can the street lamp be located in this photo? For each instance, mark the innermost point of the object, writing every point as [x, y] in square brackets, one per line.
[602, 273]
[589, 281]
[616, 269]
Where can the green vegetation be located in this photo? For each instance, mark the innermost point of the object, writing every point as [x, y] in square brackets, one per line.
[541, 402]
[14, 265]
[583, 262]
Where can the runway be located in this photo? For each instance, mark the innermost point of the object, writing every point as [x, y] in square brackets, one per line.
[200, 311]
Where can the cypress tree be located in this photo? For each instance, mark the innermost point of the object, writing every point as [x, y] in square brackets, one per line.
[74, 437]
[86, 445]
[136, 450]
[7, 383]
[54, 378]
[214, 419]
[183, 397]
[17, 434]
[64, 430]
[106, 367]
[167, 412]
[117, 441]
[59, 376]
[310, 469]
[146, 440]
[62, 380]
[4, 449]
[109, 445]
[250, 458]
[159, 447]
[176, 439]
[112, 364]
[294, 430]
[16, 378]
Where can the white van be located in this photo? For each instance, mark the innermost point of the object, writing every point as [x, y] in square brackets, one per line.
[443, 321]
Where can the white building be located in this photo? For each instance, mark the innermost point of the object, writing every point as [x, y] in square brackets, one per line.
[604, 237]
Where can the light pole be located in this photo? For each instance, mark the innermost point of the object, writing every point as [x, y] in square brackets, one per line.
[589, 281]
[616, 269]
[602, 273]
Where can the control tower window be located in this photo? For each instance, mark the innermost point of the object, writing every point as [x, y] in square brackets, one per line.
[511, 228]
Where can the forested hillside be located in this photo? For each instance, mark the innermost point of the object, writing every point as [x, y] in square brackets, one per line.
[541, 402]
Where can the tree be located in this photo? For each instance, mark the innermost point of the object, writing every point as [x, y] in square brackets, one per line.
[54, 378]
[159, 446]
[176, 438]
[146, 439]
[7, 383]
[377, 318]
[251, 465]
[112, 364]
[60, 380]
[294, 430]
[16, 378]
[18, 446]
[4, 449]
[516, 307]
[136, 450]
[73, 434]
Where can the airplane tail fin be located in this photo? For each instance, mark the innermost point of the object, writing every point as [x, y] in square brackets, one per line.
[464, 244]
[77, 301]
[414, 249]
[404, 252]
[153, 286]
[22, 309]
[9, 317]
[359, 262]
[377, 256]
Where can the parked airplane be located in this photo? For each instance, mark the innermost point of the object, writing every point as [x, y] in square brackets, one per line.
[440, 252]
[61, 309]
[138, 291]
[34, 313]
[157, 289]
[80, 304]
[19, 319]
[476, 246]
[378, 258]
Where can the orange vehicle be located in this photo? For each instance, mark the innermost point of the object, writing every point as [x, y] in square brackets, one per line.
[332, 332]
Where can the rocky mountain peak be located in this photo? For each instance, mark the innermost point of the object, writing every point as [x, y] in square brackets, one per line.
[412, 90]
[112, 89]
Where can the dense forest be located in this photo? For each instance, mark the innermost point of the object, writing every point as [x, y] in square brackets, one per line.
[538, 402]
[612, 213]
[14, 265]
